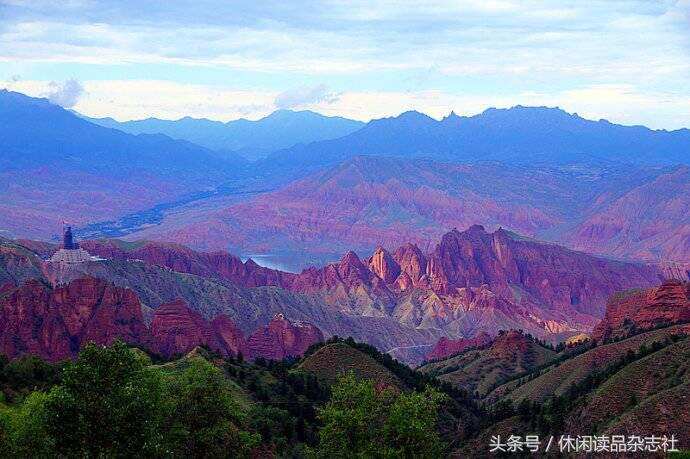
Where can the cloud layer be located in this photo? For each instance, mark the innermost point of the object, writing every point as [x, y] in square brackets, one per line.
[612, 58]
[305, 96]
[65, 94]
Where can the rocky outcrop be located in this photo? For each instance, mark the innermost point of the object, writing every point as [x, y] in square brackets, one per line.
[643, 309]
[177, 329]
[282, 338]
[511, 344]
[384, 266]
[182, 259]
[228, 335]
[473, 281]
[541, 287]
[54, 323]
[446, 347]
[413, 266]
[476, 281]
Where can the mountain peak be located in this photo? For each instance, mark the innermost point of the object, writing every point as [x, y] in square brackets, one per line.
[452, 118]
[410, 118]
[415, 116]
[350, 258]
[525, 114]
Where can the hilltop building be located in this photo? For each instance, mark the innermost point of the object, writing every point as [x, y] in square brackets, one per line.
[70, 252]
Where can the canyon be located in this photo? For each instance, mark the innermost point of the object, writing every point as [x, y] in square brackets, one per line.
[472, 282]
[54, 323]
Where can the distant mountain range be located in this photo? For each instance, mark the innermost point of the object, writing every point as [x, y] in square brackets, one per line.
[34, 132]
[592, 185]
[365, 201]
[519, 135]
[252, 139]
[56, 166]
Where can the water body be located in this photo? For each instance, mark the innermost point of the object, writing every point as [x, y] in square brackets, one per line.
[136, 221]
[292, 262]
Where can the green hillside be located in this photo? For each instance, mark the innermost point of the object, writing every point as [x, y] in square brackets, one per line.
[336, 359]
[557, 379]
[480, 370]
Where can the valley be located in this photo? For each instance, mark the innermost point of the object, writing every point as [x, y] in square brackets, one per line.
[523, 288]
[344, 229]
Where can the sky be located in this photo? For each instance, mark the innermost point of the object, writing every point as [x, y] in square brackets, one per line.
[624, 60]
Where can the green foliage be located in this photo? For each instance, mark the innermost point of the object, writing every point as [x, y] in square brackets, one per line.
[411, 427]
[25, 374]
[108, 404]
[411, 378]
[112, 401]
[286, 413]
[203, 418]
[362, 421]
[26, 429]
[548, 417]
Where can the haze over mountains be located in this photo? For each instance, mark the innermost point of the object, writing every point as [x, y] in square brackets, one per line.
[519, 135]
[593, 185]
[368, 200]
[252, 139]
[56, 166]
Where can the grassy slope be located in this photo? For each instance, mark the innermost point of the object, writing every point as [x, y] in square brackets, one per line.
[558, 378]
[177, 366]
[335, 359]
[641, 396]
[480, 370]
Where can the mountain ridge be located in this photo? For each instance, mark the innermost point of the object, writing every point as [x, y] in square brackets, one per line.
[499, 134]
[250, 138]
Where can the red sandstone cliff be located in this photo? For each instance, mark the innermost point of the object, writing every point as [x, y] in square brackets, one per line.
[282, 338]
[666, 304]
[473, 281]
[55, 323]
[539, 287]
[177, 329]
[446, 347]
[568, 287]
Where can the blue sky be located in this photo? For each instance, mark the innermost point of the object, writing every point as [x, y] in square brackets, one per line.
[624, 60]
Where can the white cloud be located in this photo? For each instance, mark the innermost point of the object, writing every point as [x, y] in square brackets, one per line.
[65, 94]
[137, 99]
[626, 60]
[306, 95]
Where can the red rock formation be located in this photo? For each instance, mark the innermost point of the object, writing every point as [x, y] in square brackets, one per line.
[473, 281]
[666, 304]
[282, 338]
[55, 323]
[348, 273]
[540, 287]
[446, 347]
[177, 329]
[182, 259]
[413, 267]
[229, 336]
[384, 266]
[649, 221]
[570, 288]
[510, 344]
